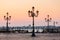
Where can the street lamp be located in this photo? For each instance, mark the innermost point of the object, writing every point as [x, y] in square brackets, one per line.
[48, 19]
[32, 14]
[7, 18]
[54, 23]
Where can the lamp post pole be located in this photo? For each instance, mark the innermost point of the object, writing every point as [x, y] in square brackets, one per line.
[54, 23]
[48, 19]
[7, 18]
[32, 14]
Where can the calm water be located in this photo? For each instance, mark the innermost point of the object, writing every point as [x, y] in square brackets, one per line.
[27, 36]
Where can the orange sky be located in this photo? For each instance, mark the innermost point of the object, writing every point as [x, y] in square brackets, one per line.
[18, 9]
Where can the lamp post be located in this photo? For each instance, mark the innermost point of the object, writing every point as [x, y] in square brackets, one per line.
[54, 23]
[7, 18]
[32, 14]
[48, 19]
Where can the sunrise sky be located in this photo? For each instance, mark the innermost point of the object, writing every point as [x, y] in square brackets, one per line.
[18, 9]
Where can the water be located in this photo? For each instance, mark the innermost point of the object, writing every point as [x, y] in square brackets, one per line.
[27, 36]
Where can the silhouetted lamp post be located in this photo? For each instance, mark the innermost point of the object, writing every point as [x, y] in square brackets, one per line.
[7, 18]
[54, 23]
[48, 19]
[32, 14]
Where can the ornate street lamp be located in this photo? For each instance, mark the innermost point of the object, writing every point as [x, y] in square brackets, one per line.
[7, 18]
[32, 14]
[48, 19]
